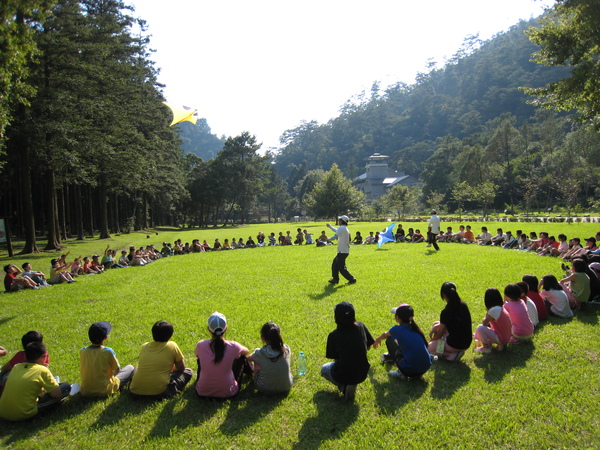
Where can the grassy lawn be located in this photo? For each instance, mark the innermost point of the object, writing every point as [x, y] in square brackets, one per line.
[539, 395]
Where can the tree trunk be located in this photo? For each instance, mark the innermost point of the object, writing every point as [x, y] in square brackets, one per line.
[53, 238]
[78, 212]
[90, 211]
[104, 234]
[26, 198]
[115, 218]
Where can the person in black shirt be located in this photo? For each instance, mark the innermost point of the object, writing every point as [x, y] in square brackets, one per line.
[452, 335]
[347, 345]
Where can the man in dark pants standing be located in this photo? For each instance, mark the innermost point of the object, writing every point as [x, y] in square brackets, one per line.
[342, 234]
[433, 230]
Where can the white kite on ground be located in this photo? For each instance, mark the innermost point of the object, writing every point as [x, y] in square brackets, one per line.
[183, 114]
[386, 236]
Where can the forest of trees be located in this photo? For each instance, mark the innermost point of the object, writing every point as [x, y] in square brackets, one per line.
[78, 161]
[466, 127]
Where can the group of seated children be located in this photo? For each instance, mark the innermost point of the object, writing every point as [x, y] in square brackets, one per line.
[29, 388]
[544, 245]
[62, 271]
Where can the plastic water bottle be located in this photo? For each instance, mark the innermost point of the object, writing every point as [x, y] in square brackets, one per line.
[301, 364]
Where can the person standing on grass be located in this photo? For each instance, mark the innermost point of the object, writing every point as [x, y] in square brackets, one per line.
[406, 345]
[452, 335]
[342, 234]
[347, 345]
[433, 229]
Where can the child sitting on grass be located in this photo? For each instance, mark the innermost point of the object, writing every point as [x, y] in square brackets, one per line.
[12, 283]
[531, 309]
[406, 345]
[161, 371]
[522, 327]
[577, 284]
[101, 374]
[271, 362]
[31, 388]
[452, 335]
[27, 338]
[496, 327]
[534, 294]
[221, 363]
[347, 345]
[556, 300]
[59, 272]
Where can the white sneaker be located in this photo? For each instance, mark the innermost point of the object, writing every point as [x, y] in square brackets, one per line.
[428, 245]
[396, 374]
[483, 349]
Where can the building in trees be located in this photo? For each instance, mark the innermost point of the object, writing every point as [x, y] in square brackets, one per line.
[379, 178]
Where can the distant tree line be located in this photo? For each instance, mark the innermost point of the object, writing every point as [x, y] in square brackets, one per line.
[466, 130]
[86, 148]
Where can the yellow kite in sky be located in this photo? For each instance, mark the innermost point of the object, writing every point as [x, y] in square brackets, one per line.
[183, 114]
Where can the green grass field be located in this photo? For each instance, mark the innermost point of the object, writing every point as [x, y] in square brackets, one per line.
[539, 395]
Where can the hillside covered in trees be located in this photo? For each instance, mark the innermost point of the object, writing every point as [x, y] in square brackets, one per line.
[466, 122]
[77, 160]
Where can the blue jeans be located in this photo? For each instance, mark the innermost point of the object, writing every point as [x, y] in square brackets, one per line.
[326, 373]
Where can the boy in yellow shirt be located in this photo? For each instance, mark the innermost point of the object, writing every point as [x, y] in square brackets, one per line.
[101, 374]
[31, 388]
[161, 371]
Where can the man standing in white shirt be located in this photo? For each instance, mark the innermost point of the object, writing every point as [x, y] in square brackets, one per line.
[433, 230]
[342, 234]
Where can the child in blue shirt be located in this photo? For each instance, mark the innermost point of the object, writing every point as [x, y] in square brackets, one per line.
[406, 344]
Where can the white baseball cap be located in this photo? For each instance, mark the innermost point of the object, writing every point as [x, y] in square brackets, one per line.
[217, 323]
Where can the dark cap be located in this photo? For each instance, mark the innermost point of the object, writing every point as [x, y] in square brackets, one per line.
[98, 331]
[591, 239]
[344, 311]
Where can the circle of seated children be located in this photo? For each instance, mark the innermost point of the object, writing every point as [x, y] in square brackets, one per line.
[223, 366]
[569, 250]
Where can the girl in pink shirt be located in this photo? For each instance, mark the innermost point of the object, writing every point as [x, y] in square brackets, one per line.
[221, 363]
[496, 327]
[522, 327]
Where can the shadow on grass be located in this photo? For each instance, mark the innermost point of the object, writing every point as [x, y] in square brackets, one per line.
[327, 291]
[6, 319]
[20, 431]
[335, 414]
[448, 378]
[589, 315]
[247, 409]
[497, 365]
[392, 394]
[194, 412]
[123, 406]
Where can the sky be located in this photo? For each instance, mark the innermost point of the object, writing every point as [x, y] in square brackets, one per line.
[264, 66]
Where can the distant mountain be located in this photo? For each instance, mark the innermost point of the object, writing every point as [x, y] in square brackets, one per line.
[478, 84]
[198, 139]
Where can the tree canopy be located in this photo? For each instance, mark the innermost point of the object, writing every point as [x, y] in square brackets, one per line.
[570, 36]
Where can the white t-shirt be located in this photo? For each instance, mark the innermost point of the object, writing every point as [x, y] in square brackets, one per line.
[434, 224]
[342, 234]
[559, 302]
[532, 311]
